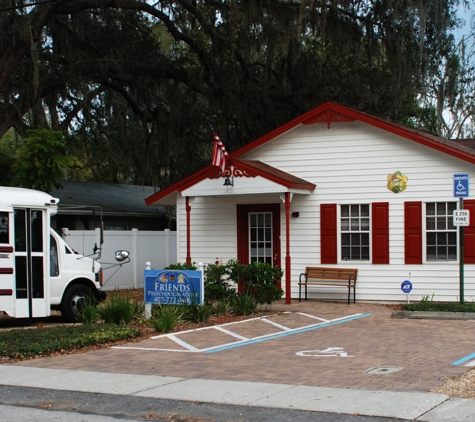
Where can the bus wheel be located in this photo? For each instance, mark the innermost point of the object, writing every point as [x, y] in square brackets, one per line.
[75, 298]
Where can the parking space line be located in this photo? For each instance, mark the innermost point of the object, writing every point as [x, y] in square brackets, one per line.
[243, 341]
[183, 344]
[285, 334]
[276, 324]
[465, 359]
[219, 328]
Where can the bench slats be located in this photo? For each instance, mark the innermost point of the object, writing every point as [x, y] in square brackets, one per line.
[327, 276]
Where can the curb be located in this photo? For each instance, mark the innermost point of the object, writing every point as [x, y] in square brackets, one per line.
[463, 316]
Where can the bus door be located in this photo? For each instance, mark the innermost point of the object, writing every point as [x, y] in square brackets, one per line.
[6, 263]
[30, 251]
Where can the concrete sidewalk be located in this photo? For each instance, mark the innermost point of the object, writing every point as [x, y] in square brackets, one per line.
[418, 406]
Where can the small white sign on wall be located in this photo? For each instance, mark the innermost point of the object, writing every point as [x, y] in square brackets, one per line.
[461, 218]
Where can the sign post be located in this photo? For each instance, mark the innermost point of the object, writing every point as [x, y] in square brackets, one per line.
[406, 287]
[461, 189]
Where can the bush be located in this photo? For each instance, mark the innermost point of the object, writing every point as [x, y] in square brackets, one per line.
[87, 314]
[259, 280]
[244, 304]
[431, 306]
[25, 343]
[119, 310]
[217, 282]
[165, 318]
[195, 312]
[182, 267]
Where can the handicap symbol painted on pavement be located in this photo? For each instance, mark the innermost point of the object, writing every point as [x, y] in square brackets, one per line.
[328, 352]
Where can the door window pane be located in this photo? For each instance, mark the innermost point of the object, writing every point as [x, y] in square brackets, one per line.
[260, 235]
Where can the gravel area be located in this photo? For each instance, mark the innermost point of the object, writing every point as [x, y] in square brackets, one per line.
[463, 386]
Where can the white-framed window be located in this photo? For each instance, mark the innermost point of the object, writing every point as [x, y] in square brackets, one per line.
[441, 234]
[355, 232]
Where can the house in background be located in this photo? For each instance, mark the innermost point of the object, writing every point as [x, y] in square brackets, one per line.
[336, 187]
[122, 207]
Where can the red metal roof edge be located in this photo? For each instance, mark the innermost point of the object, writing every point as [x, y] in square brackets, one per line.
[415, 135]
[446, 146]
[275, 175]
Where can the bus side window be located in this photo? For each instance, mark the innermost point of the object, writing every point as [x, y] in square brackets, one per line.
[4, 233]
[53, 269]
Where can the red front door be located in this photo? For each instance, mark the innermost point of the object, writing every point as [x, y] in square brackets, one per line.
[258, 233]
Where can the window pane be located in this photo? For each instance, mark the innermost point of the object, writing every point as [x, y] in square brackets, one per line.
[441, 223]
[441, 207]
[430, 209]
[20, 230]
[441, 235]
[355, 245]
[345, 239]
[53, 258]
[430, 223]
[4, 228]
[365, 224]
[345, 211]
[345, 225]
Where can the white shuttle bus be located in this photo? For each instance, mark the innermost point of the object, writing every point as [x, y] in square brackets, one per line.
[38, 270]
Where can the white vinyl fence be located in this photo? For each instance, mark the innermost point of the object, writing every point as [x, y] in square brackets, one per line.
[157, 247]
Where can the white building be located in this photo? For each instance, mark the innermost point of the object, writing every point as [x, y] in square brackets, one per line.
[317, 191]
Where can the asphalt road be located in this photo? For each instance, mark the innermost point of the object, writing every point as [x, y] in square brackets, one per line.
[42, 405]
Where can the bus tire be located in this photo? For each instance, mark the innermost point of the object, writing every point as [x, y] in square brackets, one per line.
[74, 298]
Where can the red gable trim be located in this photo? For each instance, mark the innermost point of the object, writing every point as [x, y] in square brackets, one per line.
[320, 115]
[326, 112]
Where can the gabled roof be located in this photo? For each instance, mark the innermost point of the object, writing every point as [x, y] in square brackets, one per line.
[112, 198]
[328, 113]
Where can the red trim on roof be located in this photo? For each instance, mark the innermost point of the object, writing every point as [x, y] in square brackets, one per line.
[325, 113]
[334, 109]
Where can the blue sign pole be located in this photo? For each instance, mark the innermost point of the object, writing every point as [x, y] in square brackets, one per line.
[461, 190]
[406, 287]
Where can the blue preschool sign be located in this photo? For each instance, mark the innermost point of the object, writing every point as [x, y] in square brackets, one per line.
[173, 287]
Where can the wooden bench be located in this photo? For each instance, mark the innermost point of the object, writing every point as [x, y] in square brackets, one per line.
[324, 276]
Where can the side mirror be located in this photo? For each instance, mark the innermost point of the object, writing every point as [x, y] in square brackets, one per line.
[121, 256]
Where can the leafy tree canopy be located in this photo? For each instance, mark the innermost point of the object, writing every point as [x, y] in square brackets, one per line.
[128, 81]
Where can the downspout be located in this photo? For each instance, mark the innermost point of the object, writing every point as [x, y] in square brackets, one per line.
[188, 231]
[288, 269]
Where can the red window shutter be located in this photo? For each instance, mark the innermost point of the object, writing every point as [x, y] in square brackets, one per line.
[469, 233]
[380, 232]
[413, 232]
[328, 234]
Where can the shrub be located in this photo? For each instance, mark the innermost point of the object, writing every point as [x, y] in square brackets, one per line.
[431, 306]
[218, 285]
[183, 267]
[119, 310]
[21, 343]
[259, 280]
[195, 312]
[244, 304]
[165, 318]
[87, 314]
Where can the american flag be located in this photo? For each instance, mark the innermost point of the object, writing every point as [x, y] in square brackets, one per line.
[220, 154]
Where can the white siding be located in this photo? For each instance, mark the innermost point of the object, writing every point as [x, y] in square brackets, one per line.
[349, 163]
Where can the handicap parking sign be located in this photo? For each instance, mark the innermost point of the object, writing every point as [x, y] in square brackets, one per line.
[461, 185]
[406, 286]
